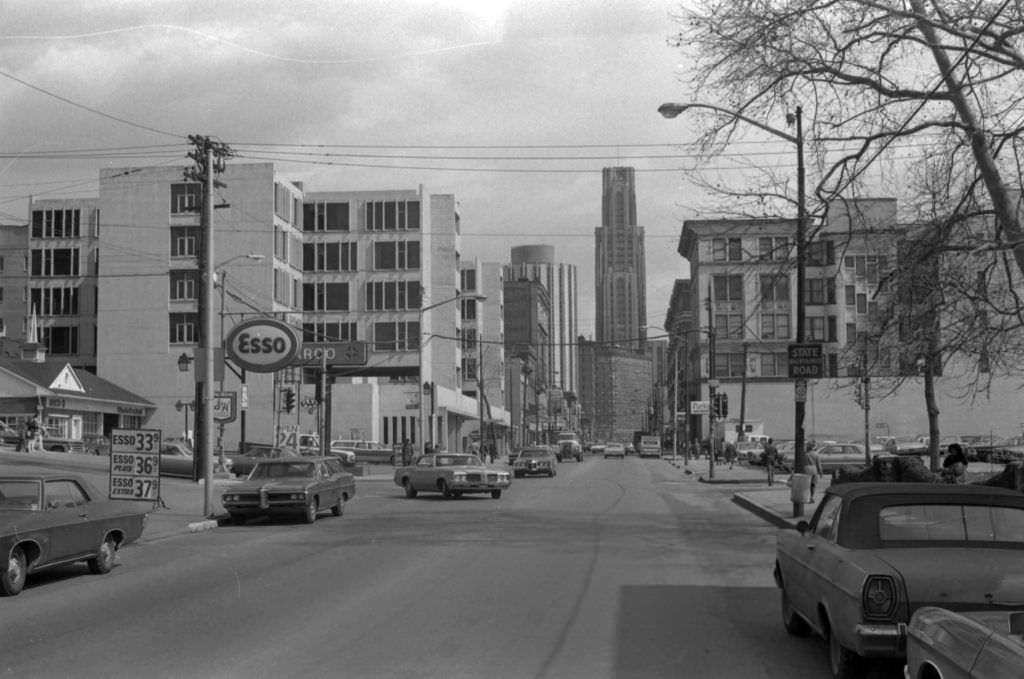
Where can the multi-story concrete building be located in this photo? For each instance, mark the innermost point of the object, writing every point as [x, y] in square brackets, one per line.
[744, 287]
[118, 282]
[538, 262]
[527, 334]
[483, 353]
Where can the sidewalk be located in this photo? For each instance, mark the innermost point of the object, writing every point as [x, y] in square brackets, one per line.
[773, 503]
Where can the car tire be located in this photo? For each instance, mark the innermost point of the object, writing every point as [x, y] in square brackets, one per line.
[410, 492]
[517, 475]
[841, 660]
[442, 485]
[103, 562]
[238, 519]
[312, 509]
[791, 620]
[496, 494]
[13, 581]
[338, 508]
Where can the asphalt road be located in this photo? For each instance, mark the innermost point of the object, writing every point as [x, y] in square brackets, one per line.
[613, 568]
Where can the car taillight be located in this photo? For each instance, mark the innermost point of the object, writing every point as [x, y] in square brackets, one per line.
[880, 597]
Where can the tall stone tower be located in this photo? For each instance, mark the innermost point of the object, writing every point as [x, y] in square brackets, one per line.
[619, 272]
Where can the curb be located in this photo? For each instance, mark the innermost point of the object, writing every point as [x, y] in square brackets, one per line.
[763, 512]
[719, 481]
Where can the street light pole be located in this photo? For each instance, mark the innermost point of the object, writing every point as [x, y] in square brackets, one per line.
[671, 110]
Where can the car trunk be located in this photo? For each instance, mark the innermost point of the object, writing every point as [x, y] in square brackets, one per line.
[960, 579]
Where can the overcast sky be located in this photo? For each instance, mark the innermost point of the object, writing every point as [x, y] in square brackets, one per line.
[559, 89]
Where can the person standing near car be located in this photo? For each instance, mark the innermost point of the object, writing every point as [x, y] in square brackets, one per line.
[406, 452]
[34, 434]
[813, 467]
[954, 467]
[771, 454]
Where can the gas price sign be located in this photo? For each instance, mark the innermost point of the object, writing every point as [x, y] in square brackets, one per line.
[135, 464]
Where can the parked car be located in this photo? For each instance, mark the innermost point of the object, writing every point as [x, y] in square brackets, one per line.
[597, 447]
[54, 519]
[964, 644]
[874, 553]
[836, 455]
[615, 450]
[289, 486]
[452, 475]
[750, 451]
[533, 461]
[177, 459]
[370, 452]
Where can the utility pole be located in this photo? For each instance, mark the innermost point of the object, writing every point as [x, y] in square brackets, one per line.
[712, 386]
[741, 428]
[799, 454]
[210, 159]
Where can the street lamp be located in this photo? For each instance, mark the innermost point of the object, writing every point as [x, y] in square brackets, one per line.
[422, 346]
[671, 110]
[222, 276]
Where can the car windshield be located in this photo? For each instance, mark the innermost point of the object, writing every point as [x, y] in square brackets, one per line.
[535, 455]
[284, 470]
[458, 461]
[22, 495]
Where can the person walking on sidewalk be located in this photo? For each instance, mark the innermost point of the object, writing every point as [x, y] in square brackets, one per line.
[771, 454]
[730, 453]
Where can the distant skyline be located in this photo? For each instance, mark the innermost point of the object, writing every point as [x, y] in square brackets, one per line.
[513, 107]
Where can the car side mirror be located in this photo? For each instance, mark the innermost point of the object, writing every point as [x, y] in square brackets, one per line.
[802, 527]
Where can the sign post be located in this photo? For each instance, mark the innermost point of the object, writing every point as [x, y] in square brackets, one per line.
[135, 464]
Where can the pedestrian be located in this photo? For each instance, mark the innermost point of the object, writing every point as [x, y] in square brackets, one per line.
[813, 468]
[23, 438]
[406, 452]
[730, 453]
[771, 454]
[954, 467]
[34, 436]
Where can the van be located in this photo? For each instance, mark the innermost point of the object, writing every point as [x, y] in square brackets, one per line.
[650, 446]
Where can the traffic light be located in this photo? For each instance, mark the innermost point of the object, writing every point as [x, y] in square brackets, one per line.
[723, 405]
[288, 400]
[857, 395]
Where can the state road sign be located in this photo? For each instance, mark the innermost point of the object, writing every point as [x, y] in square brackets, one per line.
[806, 362]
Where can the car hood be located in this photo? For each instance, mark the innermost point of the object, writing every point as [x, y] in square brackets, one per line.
[959, 578]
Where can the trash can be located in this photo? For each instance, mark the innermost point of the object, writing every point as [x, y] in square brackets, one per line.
[800, 488]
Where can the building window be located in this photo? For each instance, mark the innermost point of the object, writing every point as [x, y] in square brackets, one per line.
[184, 284]
[821, 291]
[729, 326]
[391, 215]
[467, 280]
[396, 336]
[184, 328]
[851, 333]
[775, 288]
[769, 247]
[468, 309]
[61, 340]
[728, 288]
[774, 365]
[329, 257]
[54, 301]
[184, 241]
[56, 223]
[325, 297]
[185, 198]
[821, 253]
[774, 326]
[56, 262]
[726, 249]
[328, 332]
[325, 216]
[817, 329]
[729, 365]
[395, 255]
[862, 303]
[850, 294]
[392, 295]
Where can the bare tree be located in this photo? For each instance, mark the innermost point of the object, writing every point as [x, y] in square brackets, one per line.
[874, 76]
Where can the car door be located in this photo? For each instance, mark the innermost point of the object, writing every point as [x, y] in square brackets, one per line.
[328, 483]
[422, 475]
[72, 532]
[810, 558]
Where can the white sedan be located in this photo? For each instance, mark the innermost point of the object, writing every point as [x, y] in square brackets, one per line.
[615, 450]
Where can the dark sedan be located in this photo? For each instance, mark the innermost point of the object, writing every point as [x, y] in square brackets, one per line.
[289, 486]
[54, 519]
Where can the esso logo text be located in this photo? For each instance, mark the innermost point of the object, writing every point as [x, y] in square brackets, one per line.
[262, 345]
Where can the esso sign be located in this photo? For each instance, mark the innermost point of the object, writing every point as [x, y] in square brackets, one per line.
[262, 345]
